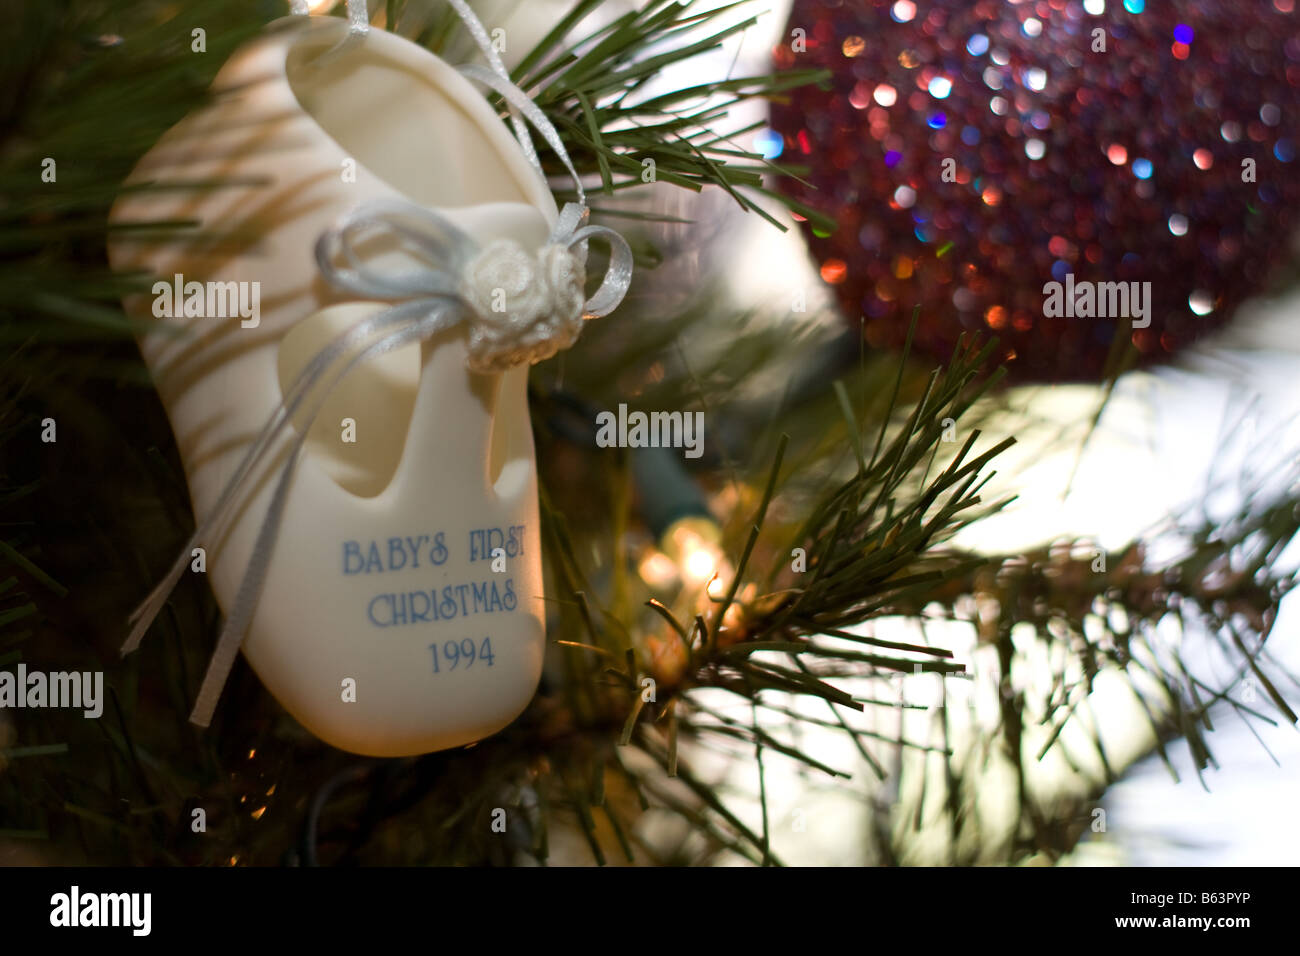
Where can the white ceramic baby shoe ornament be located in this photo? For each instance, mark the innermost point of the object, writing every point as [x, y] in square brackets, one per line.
[342, 348]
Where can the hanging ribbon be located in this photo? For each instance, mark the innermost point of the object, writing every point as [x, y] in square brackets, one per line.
[455, 284]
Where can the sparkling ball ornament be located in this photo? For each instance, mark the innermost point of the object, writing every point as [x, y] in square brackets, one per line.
[973, 153]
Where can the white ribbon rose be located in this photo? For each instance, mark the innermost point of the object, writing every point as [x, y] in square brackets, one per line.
[526, 308]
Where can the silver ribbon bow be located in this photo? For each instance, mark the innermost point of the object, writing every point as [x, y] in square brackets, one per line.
[459, 282]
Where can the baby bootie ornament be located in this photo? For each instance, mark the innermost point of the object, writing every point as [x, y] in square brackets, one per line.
[342, 349]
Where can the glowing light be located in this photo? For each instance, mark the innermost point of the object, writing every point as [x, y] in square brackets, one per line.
[1200, 302]
[1178, 224]
[834, 271]
[903, 11]
[1032, 27]
[1094, 7]
[1203, 158]
[905, 196]
[658, 571]
[1142, 168]
[700, 565]
[885, 95]
[964, 300]
[1035, 78]
[977, 45]
[853, 46]
[694, 545]
[940, 87]
[1035, 148]
[769, 143]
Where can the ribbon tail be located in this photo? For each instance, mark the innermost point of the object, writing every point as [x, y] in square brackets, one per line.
[484, 42]
[518, 99]
[250, 589]
[147, 611]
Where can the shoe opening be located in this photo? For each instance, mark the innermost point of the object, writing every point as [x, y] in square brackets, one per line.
[358, 436]
[399, 123]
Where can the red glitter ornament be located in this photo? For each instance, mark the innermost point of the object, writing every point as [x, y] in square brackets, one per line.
[975, 153]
